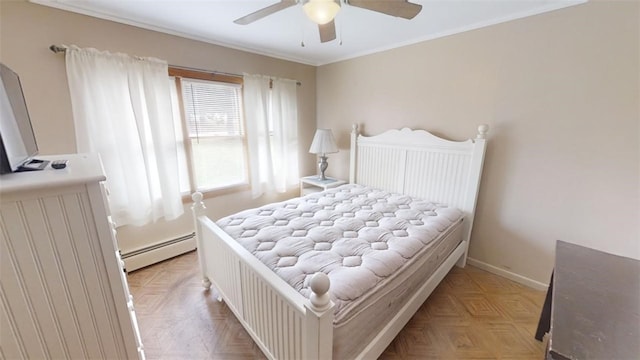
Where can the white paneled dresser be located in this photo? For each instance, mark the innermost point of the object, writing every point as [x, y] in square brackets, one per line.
[63, 290]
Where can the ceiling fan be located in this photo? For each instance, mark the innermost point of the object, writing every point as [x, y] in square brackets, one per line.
[323, 12]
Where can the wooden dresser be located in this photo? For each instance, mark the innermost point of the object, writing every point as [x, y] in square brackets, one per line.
[593, 306]
[62, 287]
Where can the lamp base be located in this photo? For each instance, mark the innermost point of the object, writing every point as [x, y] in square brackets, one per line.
[322, 165]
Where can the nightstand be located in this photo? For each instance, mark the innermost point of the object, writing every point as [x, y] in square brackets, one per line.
[311, 184]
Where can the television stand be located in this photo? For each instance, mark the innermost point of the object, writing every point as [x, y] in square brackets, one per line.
[33, 165]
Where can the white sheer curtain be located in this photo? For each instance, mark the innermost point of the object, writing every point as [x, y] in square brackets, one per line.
[271, 114]
[122, 110]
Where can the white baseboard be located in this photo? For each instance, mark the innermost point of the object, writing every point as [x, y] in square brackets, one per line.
[508, 274]
[148, 256]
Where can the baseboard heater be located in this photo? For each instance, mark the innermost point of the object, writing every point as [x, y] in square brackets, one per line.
[155, 253]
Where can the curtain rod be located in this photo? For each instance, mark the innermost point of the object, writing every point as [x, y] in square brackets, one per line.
[63, 48]
[57, 48]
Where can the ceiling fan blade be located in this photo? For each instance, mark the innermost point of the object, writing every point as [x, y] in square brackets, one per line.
[398, 8]
[257, 15]
[327, 31]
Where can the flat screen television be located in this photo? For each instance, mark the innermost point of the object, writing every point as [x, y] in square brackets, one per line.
[17, 140]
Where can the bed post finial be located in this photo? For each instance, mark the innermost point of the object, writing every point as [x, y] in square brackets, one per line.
[318, 322]
[198, 209]
[482, 131]
[197, 202]
[319, 285]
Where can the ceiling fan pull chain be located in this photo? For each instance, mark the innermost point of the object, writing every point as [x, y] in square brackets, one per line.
[301, 33]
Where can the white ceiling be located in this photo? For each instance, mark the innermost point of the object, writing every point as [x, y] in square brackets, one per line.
[359, 32]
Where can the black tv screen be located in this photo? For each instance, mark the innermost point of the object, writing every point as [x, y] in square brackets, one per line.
[17, 140]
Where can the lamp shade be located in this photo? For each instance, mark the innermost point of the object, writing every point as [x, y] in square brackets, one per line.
[321, 11]
[323, 142]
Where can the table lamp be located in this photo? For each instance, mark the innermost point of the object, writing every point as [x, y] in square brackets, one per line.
[323, 143]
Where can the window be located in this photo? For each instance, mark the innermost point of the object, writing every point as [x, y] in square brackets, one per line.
[212, 130]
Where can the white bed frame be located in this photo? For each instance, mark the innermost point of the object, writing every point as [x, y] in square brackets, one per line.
[285, 324]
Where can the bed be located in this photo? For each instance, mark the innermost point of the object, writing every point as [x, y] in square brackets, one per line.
[422, 187]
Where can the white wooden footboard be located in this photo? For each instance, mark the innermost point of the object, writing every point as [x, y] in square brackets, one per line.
[283, 323]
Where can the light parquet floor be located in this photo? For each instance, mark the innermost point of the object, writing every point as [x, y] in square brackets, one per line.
[472, 314]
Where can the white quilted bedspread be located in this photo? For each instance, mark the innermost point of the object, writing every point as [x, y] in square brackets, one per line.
[356, 235]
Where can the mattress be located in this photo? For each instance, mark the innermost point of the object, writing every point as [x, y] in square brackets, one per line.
[372, 245]
[350, 337]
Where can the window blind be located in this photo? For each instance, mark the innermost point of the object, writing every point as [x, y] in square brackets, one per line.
[212, 108]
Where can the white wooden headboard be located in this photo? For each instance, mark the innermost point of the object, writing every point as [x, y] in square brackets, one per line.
[420, 164]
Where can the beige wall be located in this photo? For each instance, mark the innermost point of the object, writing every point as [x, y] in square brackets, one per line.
[560, 92]
[26, 32]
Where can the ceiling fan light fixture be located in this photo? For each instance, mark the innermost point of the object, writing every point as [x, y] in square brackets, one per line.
[321, 11]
